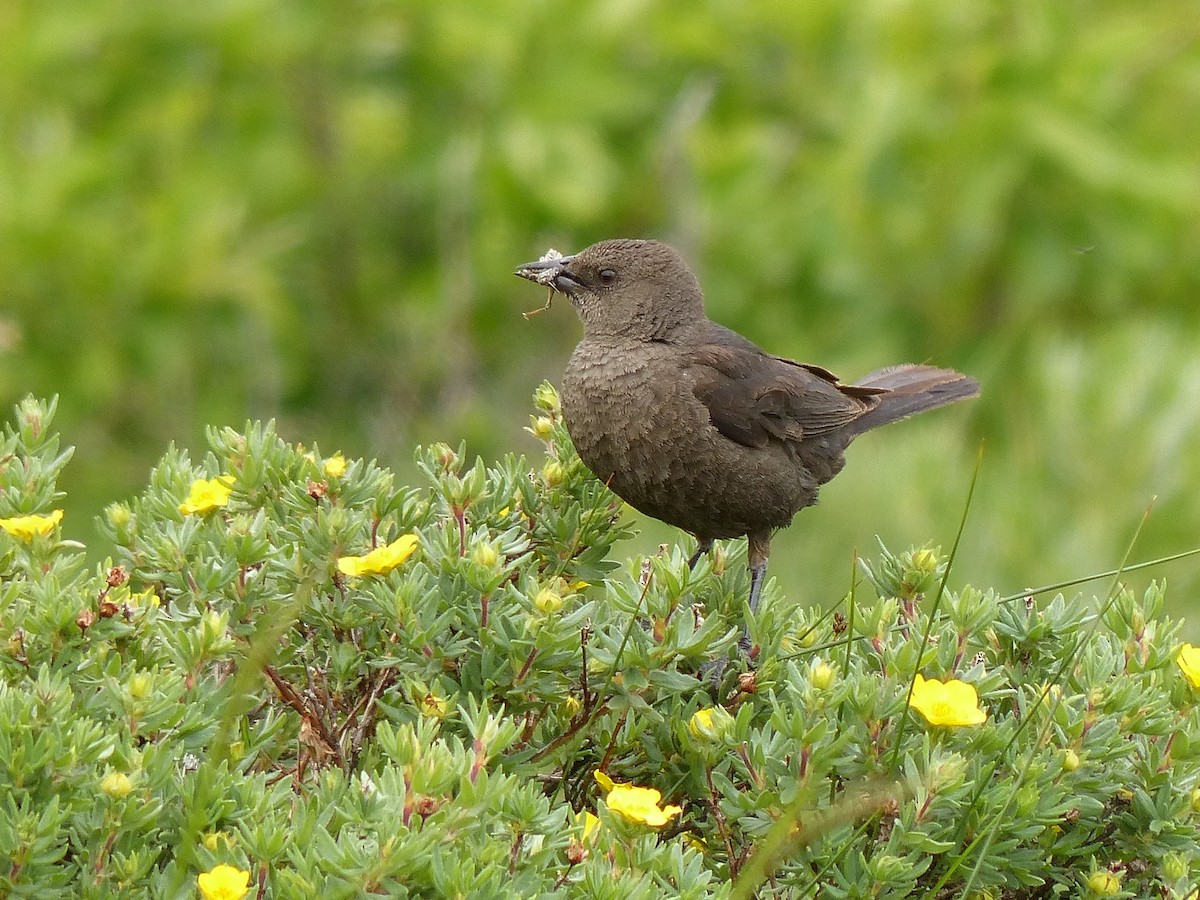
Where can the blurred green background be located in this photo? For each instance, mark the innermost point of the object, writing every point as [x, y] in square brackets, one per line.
[311, 211]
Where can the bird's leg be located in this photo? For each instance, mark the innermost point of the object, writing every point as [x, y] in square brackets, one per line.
[703, 545]
[757, 550]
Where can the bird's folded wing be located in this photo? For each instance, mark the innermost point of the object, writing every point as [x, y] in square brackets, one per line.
[753, 398]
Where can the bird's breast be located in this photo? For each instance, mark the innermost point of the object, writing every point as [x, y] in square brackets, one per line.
[637, 423]
[626, 405]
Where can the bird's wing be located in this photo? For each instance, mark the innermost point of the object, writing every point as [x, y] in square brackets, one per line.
[753, 398]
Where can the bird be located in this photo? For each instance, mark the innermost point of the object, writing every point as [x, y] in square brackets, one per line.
[693, 424]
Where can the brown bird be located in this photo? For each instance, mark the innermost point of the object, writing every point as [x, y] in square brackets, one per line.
[691, 423]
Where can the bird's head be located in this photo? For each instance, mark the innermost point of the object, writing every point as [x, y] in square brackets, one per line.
[641, 290]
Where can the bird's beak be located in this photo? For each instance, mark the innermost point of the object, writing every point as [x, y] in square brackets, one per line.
[551, 272]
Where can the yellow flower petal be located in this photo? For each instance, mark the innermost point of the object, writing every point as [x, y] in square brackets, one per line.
[1188, 660]
[640, 805]
[207, 494]
[951, 702]
[26, 528]
[381, 560]
[636, 804]
[586, 822]
[224, 883]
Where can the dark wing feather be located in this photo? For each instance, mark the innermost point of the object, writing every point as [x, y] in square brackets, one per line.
[753, 398]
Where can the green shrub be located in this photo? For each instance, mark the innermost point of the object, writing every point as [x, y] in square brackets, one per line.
[430, 724]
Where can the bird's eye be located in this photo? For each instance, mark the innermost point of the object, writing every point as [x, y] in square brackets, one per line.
[607, 276]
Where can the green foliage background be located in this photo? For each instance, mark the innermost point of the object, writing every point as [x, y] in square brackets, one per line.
[310, 211]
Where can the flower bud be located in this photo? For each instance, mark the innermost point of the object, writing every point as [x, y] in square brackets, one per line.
[434, 707]
[215, 840]
[1174, 867]
[485, 555]
[116, 785]
[1104, 883]
[543, 428]
[335, 466]
[118, 514]
[710, 725]
[445, 456]
[1070, 761]
[547, 602]
[1196, 800]
[212, 627]
[29, 416]
[947, 771]
[546, 398]
[821, 675]
[719, 560]
[139, 685]
[925, 561]
[918, 573]
[552, 472]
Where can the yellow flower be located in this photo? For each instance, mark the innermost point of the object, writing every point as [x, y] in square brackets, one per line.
[636, 804]
[224, 883]
[1188, 659]
[116, 784]
[335, 466]
[951, 702]
[27, 527]
[381, 560]
[207, 494]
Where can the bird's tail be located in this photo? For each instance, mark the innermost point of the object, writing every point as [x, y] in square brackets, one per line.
[910, 389]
